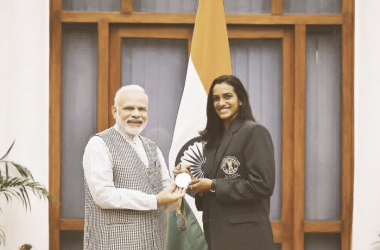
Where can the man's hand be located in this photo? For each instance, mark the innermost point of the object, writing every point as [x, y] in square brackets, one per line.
[198, 186]
[170, 194]
[177, 171]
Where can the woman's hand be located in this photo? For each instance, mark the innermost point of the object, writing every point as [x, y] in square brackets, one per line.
[198, 186]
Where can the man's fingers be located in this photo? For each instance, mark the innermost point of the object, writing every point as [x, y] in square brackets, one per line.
[180, 193]
[173, 187]
[183, 192]
[175, 173]
[176, 170]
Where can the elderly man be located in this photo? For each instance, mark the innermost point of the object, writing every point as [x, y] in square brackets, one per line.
[127, 185]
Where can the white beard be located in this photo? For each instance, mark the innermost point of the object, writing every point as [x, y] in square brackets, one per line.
[123, 125]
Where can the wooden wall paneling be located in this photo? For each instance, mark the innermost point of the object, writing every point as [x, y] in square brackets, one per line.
[55, 121]
[114, 69]
[103, 76]
[126, 6]
[347, 120]
[322, 226]
[189, 18]
[276, 7]
[299, 136]
[287, 137]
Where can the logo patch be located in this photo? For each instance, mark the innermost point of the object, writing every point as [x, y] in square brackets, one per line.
[230, 165]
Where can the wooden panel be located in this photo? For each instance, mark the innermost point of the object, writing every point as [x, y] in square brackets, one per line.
[189, 18]
[103, 67]
[299, 136]
[71, 225]
[155, 32]
[322, 226]
[347, 121]
[277, 7]
[114, 70]
[126, 6]
[55, 120]
[257, 32]
[287, 137]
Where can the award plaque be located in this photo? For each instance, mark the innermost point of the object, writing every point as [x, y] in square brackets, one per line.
[183, 179]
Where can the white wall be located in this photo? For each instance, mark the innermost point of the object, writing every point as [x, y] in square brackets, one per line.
[366, 226]
[24, 107]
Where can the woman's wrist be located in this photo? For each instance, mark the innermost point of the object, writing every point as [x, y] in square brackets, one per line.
[213, 186]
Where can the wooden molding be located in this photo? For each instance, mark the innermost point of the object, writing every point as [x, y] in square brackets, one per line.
[126, 6]
[189, 41]
[347, 121]
[287, 137]
[244, 32]
[71, 225]
[322, 226]
[114, 69]
[189, 18]
[55, 120]
[299, 136]
[277, 7]
[103, 76]
[154, 32]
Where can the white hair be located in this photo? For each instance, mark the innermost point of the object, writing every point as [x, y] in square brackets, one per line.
[132, 87]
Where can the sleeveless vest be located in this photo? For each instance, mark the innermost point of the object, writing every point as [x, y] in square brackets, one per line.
[125, 229]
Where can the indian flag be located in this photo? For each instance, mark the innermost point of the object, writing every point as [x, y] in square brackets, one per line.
[209, 58]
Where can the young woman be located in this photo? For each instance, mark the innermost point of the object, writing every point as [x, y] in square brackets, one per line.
[239, 172]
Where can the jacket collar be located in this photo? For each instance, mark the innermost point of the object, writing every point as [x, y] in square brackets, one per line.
[216, 154]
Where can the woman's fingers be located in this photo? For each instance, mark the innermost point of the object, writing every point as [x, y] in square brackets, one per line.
[194, 181]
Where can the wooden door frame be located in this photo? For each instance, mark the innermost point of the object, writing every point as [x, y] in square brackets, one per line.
[281, 228]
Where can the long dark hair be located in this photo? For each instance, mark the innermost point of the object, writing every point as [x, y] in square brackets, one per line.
[215, 126]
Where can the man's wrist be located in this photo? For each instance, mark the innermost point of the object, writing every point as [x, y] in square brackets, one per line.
[158, 201]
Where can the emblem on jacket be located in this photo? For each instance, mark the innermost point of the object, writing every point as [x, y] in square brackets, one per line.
[230, 165]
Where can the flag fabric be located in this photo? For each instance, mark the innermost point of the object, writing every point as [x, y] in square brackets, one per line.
[209, 58]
